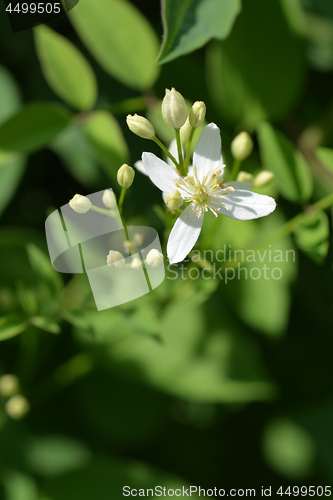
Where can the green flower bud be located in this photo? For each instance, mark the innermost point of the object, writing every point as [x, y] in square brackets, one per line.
[173, 199]
[174, 109]
[109, 199]
[125, 176]
[185, 131]
[241, 146]
[17, 407]
[154, 258]
[263, 178]
[197, 114]
[115, 259]
[140, 126]
[80, 204]
[244, 177]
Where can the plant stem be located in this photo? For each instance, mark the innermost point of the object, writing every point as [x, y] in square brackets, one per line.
[121, 200]
[188, 151]
[101, 210]
[234, 171]
[180, 152]
[164, 149]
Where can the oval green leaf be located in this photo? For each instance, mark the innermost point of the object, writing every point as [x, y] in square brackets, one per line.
[11, 325]
[120, 38]
[312, 236]
[105, 135]
[33, 126]
[291, 171]
[65, 69]
[257, 72]
[11, 170]
[208, 19]
[9, 95]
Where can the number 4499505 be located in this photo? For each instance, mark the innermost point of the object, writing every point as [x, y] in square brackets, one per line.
[303, 491]
[34, 8]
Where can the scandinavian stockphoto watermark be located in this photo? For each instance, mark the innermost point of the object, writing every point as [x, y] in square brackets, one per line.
[227, 264]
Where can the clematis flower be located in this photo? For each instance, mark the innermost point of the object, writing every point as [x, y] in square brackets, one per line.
[205, 191]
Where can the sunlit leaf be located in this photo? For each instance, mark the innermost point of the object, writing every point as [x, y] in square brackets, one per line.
[33, 126]
[11, 325]
[105, 135]
[189, 24]
[46, 324]
[257, 72]
[9, 95]
[120, 38]
[19, 486]
[291, 171]
[65, 68]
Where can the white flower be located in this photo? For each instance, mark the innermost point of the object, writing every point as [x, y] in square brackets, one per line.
[109, 199]
[136, 263]
[204, 190]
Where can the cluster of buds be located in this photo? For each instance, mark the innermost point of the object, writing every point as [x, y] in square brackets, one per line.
[116, 259]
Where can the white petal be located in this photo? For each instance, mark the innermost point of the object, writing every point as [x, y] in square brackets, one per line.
[207, 154]
[162, 175]
[173, 149]
[244, 205]
[247, 186]
[139, 166]
[184, 235]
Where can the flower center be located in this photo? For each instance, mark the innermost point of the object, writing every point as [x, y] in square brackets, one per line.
[204, 195]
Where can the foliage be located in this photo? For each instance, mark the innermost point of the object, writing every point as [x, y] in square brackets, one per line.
[221, 376]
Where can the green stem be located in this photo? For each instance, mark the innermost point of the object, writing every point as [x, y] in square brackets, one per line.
[180, 152]
[164, 149]
[188, 151]
[127, 236]
[101, 210]
[121, 200]
[235, 170]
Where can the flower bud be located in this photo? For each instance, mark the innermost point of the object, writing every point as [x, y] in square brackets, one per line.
[17, 407]
[109, 199]
[140, 126]
[173, 199]
[174, 109]
[154, 258]
[137, 239]
[125, 176]
[80, 204]
[244, 177]
[9, 385]
[197, 114]
[241, 146]
[115, 259]
[185, 131]
[136, 263]
[263, 178]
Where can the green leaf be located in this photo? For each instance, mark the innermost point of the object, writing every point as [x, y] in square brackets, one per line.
[325, 155]
[78, 156]
[46, 324]
[20, 487]
[105, 135]
[189, 24]
[258, 72]
[289, 449]
[120, 38]
[291, 171]
[11, 170]
[65, 68]
[53, 455]
[312, 236]
[9, 95]
[43, 269]
[33, 126]
[11, 325]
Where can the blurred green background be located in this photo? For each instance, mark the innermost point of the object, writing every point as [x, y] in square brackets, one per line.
[200, 382]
